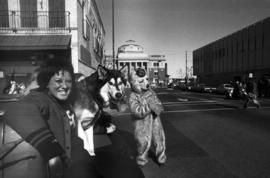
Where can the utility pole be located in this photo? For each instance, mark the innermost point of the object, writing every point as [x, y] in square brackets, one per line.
[113, 53]
[186, 66]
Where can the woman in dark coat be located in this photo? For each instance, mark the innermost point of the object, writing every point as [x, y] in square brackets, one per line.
[46, 121]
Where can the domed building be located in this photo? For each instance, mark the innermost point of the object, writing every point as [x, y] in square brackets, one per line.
[131, 55]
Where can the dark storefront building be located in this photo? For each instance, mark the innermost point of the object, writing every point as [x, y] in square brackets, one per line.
[20, 55]
[236, 56]
[33, 32]
[29, 38]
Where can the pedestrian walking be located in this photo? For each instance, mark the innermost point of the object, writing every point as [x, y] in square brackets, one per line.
[251, 93]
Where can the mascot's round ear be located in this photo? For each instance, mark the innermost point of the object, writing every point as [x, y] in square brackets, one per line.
[140, 72]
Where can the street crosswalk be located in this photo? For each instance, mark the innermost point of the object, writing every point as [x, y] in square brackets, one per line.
[198, 102]
[179, 102]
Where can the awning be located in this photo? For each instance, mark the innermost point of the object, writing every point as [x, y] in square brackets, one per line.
[34, 42]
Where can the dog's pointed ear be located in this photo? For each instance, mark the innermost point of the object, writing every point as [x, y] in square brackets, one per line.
[124, 79]
[132, 74]
[102, 72]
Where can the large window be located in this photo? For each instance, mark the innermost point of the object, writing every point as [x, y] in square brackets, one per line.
[4, 13]
[57, 13]
[85, 22]
[28, 13]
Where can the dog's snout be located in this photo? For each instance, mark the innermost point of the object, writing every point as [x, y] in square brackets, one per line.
[147, 86]
[118, 95]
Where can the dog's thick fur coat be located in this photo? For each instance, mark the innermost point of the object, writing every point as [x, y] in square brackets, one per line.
[146, 109]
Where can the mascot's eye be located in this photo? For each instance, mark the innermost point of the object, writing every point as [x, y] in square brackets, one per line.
[141, 81]
[120, 83]
[110, 83]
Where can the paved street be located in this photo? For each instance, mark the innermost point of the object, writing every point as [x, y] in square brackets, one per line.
[208, 136]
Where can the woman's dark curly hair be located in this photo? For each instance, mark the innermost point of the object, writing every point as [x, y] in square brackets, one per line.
[46, 72]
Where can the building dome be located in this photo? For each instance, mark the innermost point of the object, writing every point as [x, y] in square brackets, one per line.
[131, 50]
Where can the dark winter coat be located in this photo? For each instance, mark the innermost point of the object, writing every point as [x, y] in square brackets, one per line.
[45, 127]
[251, 87]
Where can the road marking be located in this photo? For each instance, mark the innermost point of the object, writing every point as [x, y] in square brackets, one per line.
[191, 104]
[194, 97]
[203, 101]
[214, 109]
[163, 93]
[182, 99]
[199, 110]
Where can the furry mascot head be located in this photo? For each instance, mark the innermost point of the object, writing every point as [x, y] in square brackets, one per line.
[139, 81]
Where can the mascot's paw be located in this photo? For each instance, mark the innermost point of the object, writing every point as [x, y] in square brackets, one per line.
[141, 161]
[162, 159]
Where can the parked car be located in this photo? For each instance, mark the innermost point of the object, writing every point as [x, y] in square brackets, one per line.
[191, 86]
[201, 87]
[180, 85]
[224, 88]
[171, 85]
[196, 87]
[207, 88]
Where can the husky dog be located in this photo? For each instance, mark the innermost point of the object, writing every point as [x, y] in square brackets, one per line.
[113, 93]
[106, 85]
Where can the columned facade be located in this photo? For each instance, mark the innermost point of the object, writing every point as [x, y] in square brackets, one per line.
[131, 56]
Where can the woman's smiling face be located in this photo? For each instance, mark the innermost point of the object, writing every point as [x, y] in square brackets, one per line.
[60, 85]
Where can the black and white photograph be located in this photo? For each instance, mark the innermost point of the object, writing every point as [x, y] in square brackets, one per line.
[134, 88]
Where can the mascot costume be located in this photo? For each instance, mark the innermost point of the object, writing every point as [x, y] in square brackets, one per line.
[145, 109]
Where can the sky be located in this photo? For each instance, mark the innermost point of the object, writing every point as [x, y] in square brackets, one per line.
[172, 27]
